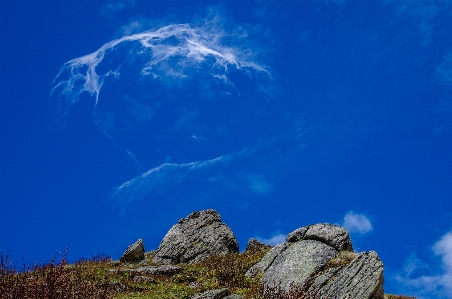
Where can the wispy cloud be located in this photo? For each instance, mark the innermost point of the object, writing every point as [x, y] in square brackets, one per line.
[276, 239]
[165, 175]
[418, 279]
[357, 223]
[164, 53]
[258, 184]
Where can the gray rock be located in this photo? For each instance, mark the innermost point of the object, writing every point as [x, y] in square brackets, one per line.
[166, 270]
[266, 261]
[232, 296]
[361, 278]
[254, 244]
[330, 234]
[134, 252]
[297, 235]
[292, 269]
[213, 294]
[196, 237]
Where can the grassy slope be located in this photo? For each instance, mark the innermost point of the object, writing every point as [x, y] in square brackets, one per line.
[99, 277]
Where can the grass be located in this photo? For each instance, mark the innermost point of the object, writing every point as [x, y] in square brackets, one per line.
[102, 278]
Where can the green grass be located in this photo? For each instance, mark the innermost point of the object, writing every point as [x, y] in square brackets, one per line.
[99, 277]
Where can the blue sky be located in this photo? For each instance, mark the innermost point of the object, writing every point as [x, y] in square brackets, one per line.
[120, 117]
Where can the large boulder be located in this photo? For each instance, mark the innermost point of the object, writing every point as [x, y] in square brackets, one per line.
[293, 268]
[196, 237]
[318, 261]
[134, 252]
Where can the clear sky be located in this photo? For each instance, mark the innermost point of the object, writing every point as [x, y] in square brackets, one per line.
[119, 117]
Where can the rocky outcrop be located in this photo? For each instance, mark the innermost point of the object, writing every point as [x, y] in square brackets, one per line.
[196, 237]
[254, 244]
[318, 261]
[133, 253]
[216, 294]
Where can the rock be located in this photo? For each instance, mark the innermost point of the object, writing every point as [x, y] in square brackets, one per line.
[293, 267]
[196, 237]
[254, 244]
[213, 294]
[166, 270]
[360, 278]
[297, 235]
[266, 261]
[318, 261]
[232, 296]
[134, 252]
[331, 234]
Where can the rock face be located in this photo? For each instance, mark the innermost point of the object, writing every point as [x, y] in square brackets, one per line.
[317, 261]
[134, 252]
[196, 237]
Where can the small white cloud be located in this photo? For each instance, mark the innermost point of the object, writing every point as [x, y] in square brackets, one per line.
[258, 184]
[357, 223]
[417, 277]
[275, 240]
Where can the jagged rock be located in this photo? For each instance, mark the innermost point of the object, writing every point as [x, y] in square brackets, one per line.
[232, 296]
[196, 237]
[166, 270]
[360, 278]
[266, 261]
[213, 294]
[254, 244]
[293, 267]
[331, 234]
[134, 252]
[318, 261]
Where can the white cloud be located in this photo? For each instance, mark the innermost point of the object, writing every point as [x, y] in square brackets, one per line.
[275, 240]
[164, 175]
[357, 223]
[258, 184]
[417, 276]
[165, 53]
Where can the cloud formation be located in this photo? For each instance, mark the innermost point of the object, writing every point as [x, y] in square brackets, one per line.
[357, 223]
[165, 175]
[418, 278]
[167, 52]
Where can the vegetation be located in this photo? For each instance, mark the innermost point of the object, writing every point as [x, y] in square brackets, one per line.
[100, 277]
